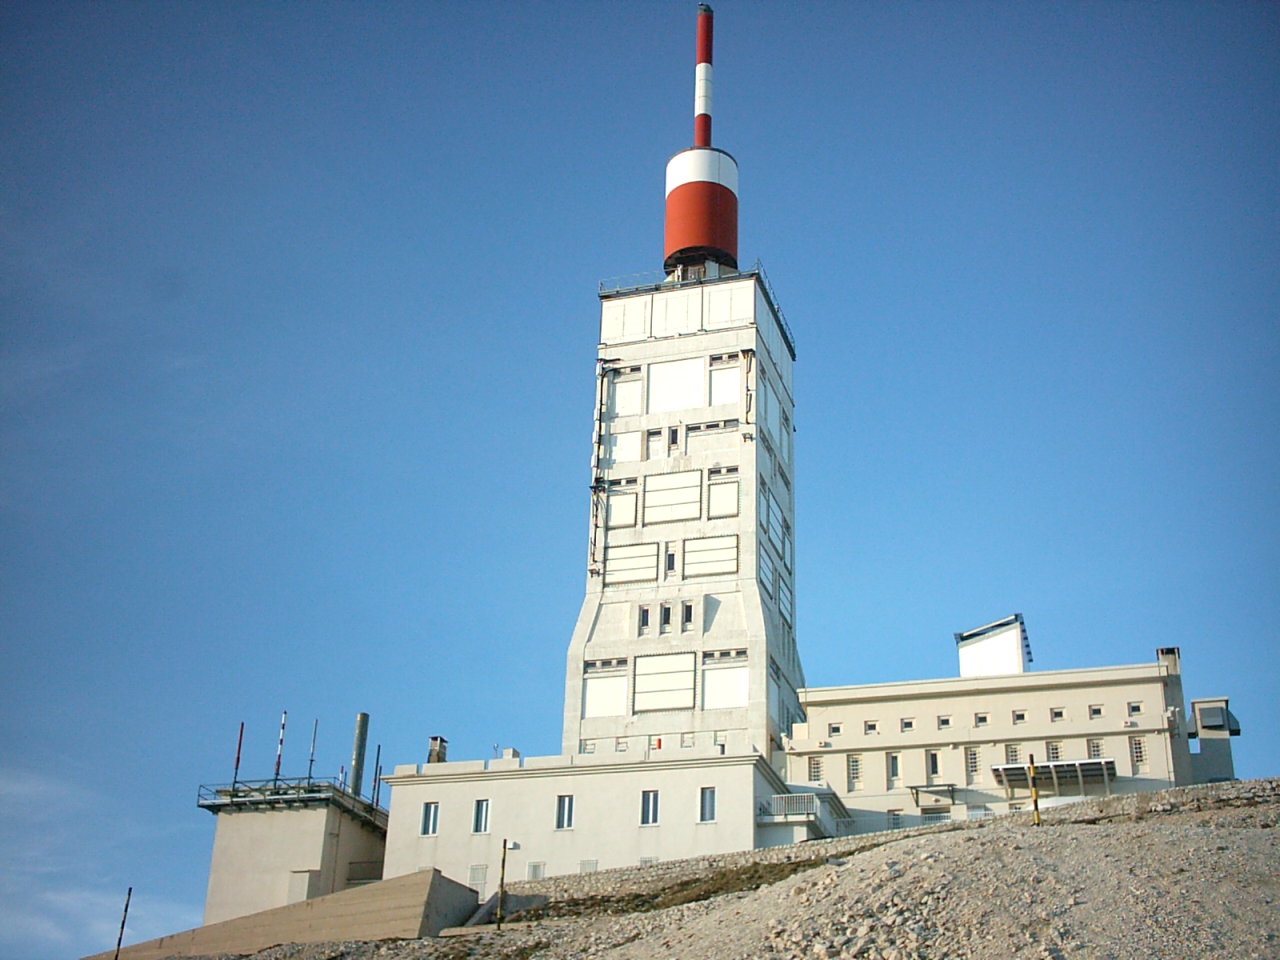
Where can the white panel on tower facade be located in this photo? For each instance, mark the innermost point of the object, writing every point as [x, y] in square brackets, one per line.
[624, 398]
[766, 572]
[604, 696]
[726, 385]
[710, 555]
[724, 687]
[677, 385]
[664, 682]
[622, 510]
[729, 305]
[673, 496]
[624, 320]
[722, 499]
[624, 447]
[677, 313]
[632, 563]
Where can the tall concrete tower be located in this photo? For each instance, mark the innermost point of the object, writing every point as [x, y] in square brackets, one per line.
[686, 635]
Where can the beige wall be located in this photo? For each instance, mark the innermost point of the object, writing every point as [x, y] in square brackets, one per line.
[413, 906]
[266, 857]
[522, 797]
[1113, 705]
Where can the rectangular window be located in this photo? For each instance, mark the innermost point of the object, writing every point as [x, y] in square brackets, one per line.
[480, 817]
[815, 769]
[980, 719]
[1053, 750]
[1138, 752]
[686, 615]
[894, 818]
[870, 726]
[1093, 748]
[833, 729]
[620, 744]
[707, 805]
[1057, 713]
[586, 746]
[649, 807]
[686, 740]
[893, 766]
[664, 619]
[944, 723]
[854, 764]
[932, 762]
[430, 818]
[972, 764]
[722, 499]
[564, 811]
[477, 874]
[1135, 707]
[908, 724]
[1012, 753]
[535, 870]
[1095, 711]
[644, 619]
[1019, 716]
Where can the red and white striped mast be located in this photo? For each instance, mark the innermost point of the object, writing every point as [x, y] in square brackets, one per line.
[702, 181]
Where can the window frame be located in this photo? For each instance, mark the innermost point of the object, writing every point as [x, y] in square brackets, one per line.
[429, 825]
[649, 808]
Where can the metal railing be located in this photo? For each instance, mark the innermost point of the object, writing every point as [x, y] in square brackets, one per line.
[928, 818]
[790, 805]
[282, 791]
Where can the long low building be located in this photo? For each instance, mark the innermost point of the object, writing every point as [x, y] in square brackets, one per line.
[924, 751]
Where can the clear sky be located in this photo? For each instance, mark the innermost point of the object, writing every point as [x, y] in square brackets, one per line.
[299, 313]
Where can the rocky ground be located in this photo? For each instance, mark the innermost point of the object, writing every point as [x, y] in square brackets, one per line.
[1174, 881]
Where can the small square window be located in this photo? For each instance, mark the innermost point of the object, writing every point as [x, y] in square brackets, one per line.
[870, 726]
[1057, 713]
[1135, 707]
[908, 724]
[944, 723]
[686, 740]
[980, 719]
[1095, 711]
[1019, 716]
[834, 729]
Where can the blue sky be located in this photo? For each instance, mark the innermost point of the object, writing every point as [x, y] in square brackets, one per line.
[299, 312]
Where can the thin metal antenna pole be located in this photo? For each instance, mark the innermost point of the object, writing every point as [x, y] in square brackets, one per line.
[377, 772]
[235, 773]
[123, 917]
[280, 743]
[311, 760]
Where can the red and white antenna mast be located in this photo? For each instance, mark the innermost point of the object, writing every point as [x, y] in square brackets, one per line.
[702, 181]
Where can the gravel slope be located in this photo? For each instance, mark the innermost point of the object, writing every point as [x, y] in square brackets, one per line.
[1163, 884]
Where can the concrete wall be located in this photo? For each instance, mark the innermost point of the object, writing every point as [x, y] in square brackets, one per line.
[411, 906]
[268, 856]
[1030, 711]
[606, 830]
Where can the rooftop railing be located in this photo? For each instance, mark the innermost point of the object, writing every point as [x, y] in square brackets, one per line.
[286, 791]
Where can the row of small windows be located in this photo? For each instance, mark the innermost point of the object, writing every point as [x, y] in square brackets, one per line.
[564, 811]
[1013, 754]
[655, 741]
[983, 718]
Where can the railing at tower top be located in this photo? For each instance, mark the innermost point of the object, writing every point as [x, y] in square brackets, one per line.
[655, 280]
[286, 791]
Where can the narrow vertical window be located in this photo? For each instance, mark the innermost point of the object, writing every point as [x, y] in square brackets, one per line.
[1012, 753]
[972, 764]
[648, 807]
[644, 619]
[1053, 750]
[932, 761]
[1138, 752]
[893, 766]
[564, 811]
[664, 620]
[686, 615]
[430, 818]
[815, 769]
[854, 763]
[707, 805]
[1093, 748]
[480, 817]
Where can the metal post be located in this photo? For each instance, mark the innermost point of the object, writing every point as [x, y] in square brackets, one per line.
[311, 760]
[1035, 791]
[280, 743]
[125, 916]
[502, 881]
[377, 773]
[235, 773]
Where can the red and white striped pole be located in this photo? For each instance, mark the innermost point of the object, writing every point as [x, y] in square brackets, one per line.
[702, 79]
[702, 182]
[280, 743]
